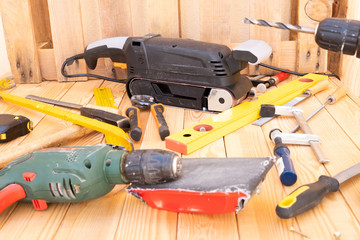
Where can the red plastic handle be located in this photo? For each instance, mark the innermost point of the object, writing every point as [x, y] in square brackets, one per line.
[10, 194]
[281, 76]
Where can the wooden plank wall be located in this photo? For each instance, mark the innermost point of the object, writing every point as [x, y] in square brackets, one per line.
[20, 40]
[61, 30]
[68, 27]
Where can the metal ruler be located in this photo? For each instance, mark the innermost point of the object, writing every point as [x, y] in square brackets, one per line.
[211, 129]
[104, 97]
[113, 134]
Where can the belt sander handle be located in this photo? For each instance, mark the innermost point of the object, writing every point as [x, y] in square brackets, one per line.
[109, 47]
[252, 51]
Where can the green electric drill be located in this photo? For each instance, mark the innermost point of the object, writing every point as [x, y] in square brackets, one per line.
[80, 173]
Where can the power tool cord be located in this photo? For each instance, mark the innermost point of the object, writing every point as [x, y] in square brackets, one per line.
[294, 73]
[69, 61]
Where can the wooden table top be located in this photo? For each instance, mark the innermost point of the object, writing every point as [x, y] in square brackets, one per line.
[118, 215]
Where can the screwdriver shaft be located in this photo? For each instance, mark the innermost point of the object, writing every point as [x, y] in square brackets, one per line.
[309, 117]
[339, 93]
[280, 25]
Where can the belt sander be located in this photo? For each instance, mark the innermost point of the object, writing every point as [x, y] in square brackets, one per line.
[179, 72]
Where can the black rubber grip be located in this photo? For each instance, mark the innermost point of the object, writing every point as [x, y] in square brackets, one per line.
[92, 55]
[135, 129]
[157, 111]
[108, 117]
[306, 197]
[267, 110]
[338, 35]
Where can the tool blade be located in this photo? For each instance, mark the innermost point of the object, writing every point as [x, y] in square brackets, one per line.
[261, 121]
[54, 102]
[348, 173]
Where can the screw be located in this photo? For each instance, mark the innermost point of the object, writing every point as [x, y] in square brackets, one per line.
[337, 235]
[298, 232]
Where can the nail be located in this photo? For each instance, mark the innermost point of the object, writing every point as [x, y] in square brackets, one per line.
[337, 235]
[298, 232]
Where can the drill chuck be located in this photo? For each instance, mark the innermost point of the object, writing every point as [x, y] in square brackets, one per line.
[339, 35]
[151, 166]
[333, 34]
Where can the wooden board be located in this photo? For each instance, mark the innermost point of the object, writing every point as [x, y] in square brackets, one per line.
[272, 36]
[20, 40]
[311, 58]
[67, 35]
[215, 21]
[126, 217]
[50, 33]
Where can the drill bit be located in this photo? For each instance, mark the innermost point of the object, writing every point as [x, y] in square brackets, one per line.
[280, 25]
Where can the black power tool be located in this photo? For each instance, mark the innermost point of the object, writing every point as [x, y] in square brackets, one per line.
[179, 72]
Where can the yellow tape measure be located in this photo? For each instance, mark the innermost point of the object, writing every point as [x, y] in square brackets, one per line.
[104, 97]
[211, 129]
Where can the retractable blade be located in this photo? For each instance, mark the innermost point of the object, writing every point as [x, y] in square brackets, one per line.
[322, 85]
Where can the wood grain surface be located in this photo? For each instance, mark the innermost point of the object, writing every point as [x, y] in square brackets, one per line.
[118, 215]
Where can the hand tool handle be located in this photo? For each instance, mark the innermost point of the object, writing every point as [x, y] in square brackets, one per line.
[306, 197]
[311, 91]
[157, 110]
[281, 76]
[67, 134]
[284, 163]
[339, 93]
[135, 129]
[108, 117]
[109, 47]
[315, 145]
[10, 194]
[320, 86]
